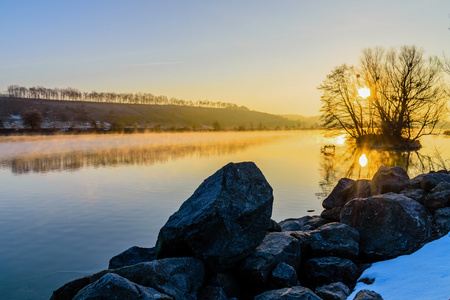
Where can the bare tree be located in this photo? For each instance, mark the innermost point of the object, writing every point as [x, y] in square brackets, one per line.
[32, 119]
[407, 95]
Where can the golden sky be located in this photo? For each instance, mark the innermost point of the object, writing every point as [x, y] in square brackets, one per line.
[267, 55]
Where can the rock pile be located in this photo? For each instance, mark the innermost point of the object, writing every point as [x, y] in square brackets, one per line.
[222, 244]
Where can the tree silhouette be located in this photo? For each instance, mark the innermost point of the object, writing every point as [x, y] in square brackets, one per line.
[407, 95]
[32, 119]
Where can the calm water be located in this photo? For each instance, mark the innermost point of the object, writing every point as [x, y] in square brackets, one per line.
[68, 204]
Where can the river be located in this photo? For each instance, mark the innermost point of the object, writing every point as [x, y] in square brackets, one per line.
[70, 203]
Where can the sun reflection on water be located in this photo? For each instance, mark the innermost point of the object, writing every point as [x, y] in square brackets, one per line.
[363, 160]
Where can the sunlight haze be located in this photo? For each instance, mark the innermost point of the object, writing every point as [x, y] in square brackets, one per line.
[267, 55]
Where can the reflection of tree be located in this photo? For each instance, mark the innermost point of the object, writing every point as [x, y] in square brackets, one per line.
[345, 163]
[144, 155]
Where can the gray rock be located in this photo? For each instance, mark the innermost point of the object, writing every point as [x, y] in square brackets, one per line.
[441, 187]
[415, 194]
[274, 226]
[132, 256]
[212, 293]
[335, 239]
[389, 225]
[303, 223]
[438, 198]
[333, 291]
[223, 221]
[442, 217]
[432, 179]
[276, 247]
[332, 214]
[339, 195]
[180, 278]
[388, 180]
[227, 282]
[293, 293]
[416, 182]
[326, 270]
[283, 276]
[113, 286]
[360, 189]
[70, 289]
[367, 295]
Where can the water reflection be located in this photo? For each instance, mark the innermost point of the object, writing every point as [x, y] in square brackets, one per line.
[354, 162]
[119, 156]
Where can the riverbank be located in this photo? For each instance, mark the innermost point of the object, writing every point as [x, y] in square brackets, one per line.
[215, 247]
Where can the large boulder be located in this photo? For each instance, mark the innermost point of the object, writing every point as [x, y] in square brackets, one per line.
[333, 291]
[326, 270]
[360, 189]
[339, 195]
[283, 276]
[335, 239]
[132, 256]
[388, 180]
[70, 289]
[223, 221]
[432, 179]
[293, 293]
[180, 278]
[276, 247]
[389, 225]
[113, 286]
[439, 197]
[442, 217]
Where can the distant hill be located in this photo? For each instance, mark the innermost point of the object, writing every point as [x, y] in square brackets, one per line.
[305, 122]
[161, 116]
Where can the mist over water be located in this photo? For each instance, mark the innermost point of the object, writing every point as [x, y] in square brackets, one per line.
[70, 203]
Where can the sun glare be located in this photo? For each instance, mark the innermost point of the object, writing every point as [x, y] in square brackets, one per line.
[364, 92]
[363, 160]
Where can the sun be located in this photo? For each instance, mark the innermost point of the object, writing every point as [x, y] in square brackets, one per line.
[364, 92]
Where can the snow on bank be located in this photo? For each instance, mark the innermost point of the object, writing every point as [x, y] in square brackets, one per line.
[425, 274]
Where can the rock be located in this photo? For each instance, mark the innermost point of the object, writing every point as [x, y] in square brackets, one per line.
[439, 197]
[333, 291]
[275, 248]
[274, 226]
[227, 282]
[212, 293]
[223, 221]
[293, 293]
[360, 189]
[415, 194]
[132, 256]
[388, 180]
[389, 225]
[70, 289]
[432, 179]
[335, 239]
[332, 214]
[367, 295]
[112, 286]
[442, 217]
[441, 187]
[339, 195]
[304, 223]
[283, 276]
[180, 278]
[416, 182]
[326, 270]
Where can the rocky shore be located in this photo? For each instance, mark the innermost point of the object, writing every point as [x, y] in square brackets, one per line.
[222, 243]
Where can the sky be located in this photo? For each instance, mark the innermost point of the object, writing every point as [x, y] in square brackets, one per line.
[267, 55]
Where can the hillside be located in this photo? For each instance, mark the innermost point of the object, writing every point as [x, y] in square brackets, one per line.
[150, 116]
